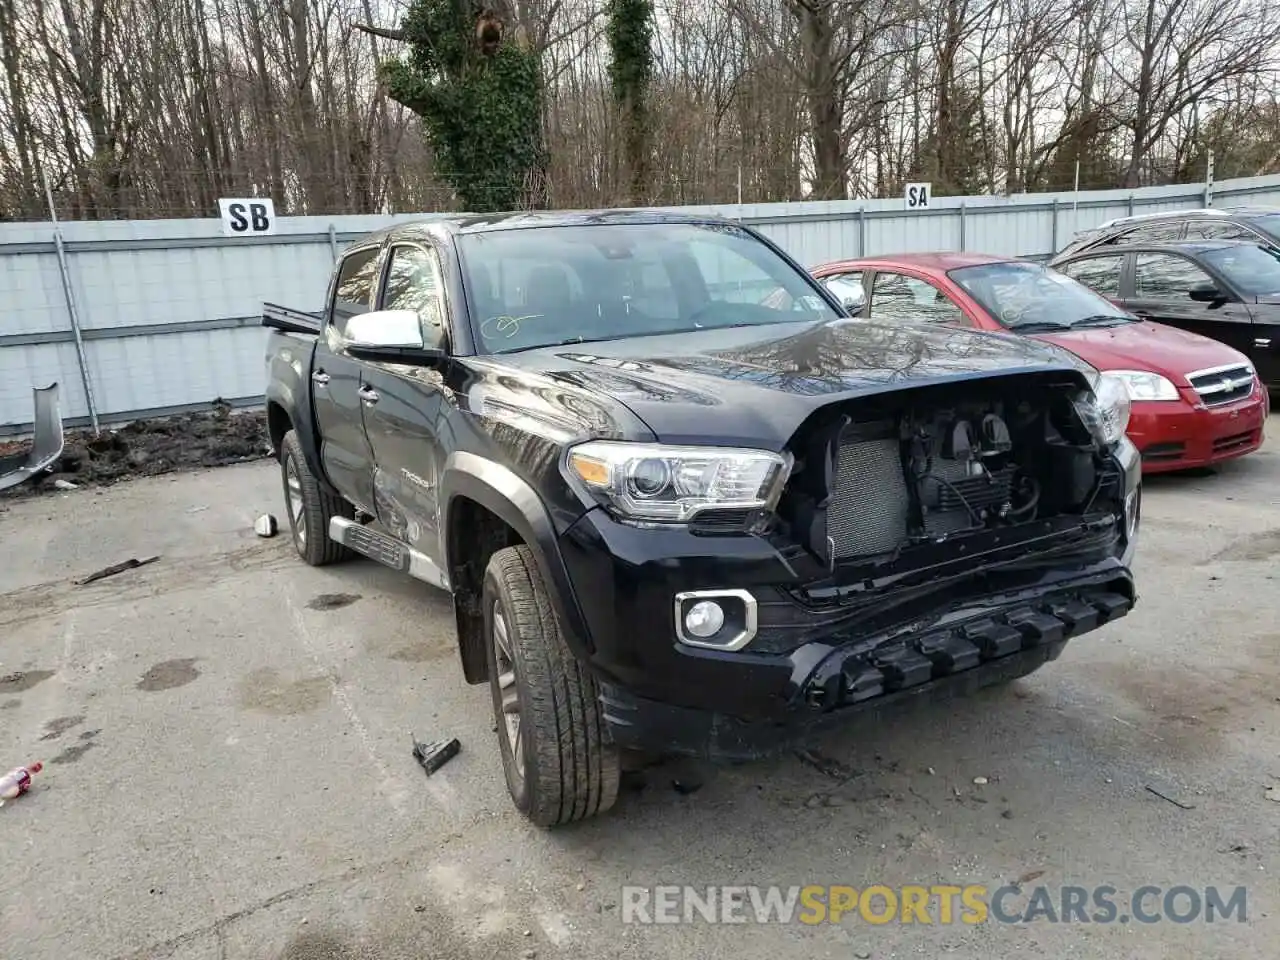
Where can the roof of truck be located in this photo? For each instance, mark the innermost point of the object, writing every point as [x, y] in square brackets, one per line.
[483, 223]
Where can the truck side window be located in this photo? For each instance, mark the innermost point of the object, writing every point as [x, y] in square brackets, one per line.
[1100, 274]
[1157, 276]
[355, 287]
[413, 283]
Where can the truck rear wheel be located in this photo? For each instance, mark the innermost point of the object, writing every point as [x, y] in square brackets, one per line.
[558, 762]
[310, 507]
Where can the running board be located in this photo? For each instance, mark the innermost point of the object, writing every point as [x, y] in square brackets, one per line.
[387, 550]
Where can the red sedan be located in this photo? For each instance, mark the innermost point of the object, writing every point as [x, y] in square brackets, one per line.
[1195, 401]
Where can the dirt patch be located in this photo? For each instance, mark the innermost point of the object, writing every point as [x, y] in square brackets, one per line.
[332, 601]
[23, 680]
[72, 754]
[1259, 546]
[267, 691]
[317, 945]
[60, 725]
[169, 674]
[13, 704]
[418, 653]
[148, 448]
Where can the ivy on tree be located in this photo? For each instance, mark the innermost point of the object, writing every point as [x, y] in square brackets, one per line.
[630, 33]
[479, 94]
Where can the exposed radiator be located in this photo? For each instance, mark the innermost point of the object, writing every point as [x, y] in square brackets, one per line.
[869, 509]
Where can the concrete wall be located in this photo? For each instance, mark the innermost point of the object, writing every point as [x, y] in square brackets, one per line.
[168, 309]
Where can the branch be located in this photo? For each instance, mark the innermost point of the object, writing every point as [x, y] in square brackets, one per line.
[380, 31]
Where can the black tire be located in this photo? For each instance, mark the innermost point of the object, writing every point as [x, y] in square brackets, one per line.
[567, 769]
[310, 507]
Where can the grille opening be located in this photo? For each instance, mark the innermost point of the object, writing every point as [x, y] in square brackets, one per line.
[1222, 385]
[1164, 451]
[1235, 441]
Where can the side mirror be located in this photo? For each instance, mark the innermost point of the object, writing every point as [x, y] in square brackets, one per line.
[390, 336]
[1207, 293]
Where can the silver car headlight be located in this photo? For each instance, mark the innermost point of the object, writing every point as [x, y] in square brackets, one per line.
[1145, 385]
[645, 481]
[1106, 410]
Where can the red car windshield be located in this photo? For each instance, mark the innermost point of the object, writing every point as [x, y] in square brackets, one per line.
[1026, 296]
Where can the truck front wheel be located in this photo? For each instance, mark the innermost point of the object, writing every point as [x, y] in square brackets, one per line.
[310, 507]
[558, 762]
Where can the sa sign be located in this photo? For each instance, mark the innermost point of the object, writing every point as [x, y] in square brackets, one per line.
[243, 218]
[917, 195]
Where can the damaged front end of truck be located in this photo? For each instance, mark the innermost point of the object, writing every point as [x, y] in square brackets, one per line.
[957, 524]
[928, 540]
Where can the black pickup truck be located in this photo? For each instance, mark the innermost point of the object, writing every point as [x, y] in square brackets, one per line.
[683, 503]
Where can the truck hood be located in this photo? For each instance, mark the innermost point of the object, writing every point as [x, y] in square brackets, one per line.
[756, 385]
[1145, 345]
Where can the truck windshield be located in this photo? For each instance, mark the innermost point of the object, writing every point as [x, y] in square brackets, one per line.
[1253, 270]
[539, 286]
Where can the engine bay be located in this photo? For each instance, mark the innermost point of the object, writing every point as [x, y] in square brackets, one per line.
[936, 465]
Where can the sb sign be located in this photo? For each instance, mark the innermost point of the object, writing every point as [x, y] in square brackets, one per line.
[917, 195]
[253, 217]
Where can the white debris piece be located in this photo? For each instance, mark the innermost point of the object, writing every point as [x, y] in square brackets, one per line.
[61, 484]
[980, 781]
[266, 526]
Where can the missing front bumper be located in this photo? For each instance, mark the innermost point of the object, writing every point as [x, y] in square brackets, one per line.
[842, 682]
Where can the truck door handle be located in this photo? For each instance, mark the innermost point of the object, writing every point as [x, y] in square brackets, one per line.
[320, 377]
[368, 394]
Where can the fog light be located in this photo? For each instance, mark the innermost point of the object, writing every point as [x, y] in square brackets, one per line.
[704, 619]
[723, 619]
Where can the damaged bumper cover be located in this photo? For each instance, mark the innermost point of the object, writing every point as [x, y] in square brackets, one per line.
[834, 682]
[46, 444]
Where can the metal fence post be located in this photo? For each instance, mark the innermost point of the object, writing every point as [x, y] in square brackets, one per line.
[1054, 234]
[962, 237]
[333, 242]
[862, 231]
[1208, 181]
[70, 296]
[1131, 204]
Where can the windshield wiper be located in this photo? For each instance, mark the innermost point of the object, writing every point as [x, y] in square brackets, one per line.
[1103, 320]
[1033, 326]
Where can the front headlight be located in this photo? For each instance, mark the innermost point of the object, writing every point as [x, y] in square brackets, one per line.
[1144, 385]
[1106, 412]
[643, 481]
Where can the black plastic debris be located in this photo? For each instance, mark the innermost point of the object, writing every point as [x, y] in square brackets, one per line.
[130, 564]
[433, 756]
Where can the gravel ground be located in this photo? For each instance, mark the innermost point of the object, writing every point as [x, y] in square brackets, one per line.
[227, 740]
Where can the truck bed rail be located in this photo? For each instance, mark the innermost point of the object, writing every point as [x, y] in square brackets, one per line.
[287, 318]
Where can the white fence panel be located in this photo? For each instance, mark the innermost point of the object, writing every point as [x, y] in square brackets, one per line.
[169, 309]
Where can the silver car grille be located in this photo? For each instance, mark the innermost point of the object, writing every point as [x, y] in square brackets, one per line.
[1219, 385]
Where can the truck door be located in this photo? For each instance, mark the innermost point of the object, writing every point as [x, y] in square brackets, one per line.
[335, 382]
[1266, 342]
[1162, 291]
[402, 406]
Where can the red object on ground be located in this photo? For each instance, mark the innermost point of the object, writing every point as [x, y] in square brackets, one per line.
[1172, 434]
[18, 781]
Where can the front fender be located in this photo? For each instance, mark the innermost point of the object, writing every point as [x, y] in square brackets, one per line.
[509, 496]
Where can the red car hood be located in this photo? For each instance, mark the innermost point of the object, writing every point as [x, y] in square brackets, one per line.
[1145, 346]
